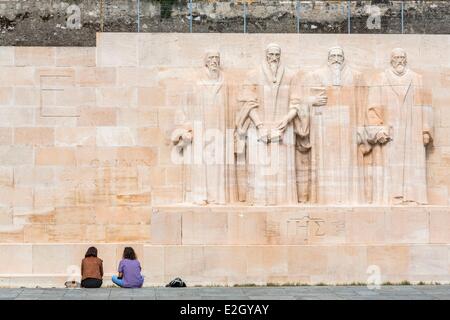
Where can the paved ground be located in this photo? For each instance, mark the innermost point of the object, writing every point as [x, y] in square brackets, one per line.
[439, 292]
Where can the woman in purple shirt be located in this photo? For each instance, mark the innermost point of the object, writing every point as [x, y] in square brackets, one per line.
[129, 271]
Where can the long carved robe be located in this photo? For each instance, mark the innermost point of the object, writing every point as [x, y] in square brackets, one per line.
[337, 174]
[401, 107]
[266, 172]
[207, 160]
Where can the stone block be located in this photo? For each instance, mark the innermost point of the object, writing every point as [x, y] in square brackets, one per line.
[74, 215]
[300, 258]
[16, 258]
[56, 259]
[6, 136]
[151, 137]
[139, 117]
[27, 96]
[23, 197]
[34, 176]
[95, 233]
[202, 227]
[6, 96]
[145, 156]
[7, 56]
[56, 156]
[35, 233]
[438, 196]
[5, 216]
[118, 215]
[166, 195]
[66, 121]
[136, 76]
[55, 197]
[246, 227]
[439, 222]
[75, 56]
[33, 217]
[430, 261]
[16, 155]
[121, 97]
[6, 177]
[152, 96]
[404, 225]
[267, 261]
[66, 233]
[92, 117]
[134, 198]
[365, 225]
[11, 117]
[127, 233]
[115, 137]
[34, 56]
[18, 76]
[166, 226]
[153, 260]
[390, 259]
[11, 234]
[442, 137]
[95, 77]
[74, 137]
[124, 46]
[69, 97]
[34, 136]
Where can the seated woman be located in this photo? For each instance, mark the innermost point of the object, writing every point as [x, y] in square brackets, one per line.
[91, 269]
[129, 271]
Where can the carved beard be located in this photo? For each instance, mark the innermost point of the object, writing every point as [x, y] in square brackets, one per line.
[213, 71]
[399, 68]
[336, 70]
[274, 68]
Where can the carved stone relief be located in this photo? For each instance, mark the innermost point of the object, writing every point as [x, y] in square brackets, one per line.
[324, 137]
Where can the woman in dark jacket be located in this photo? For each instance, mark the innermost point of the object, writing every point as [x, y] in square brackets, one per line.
[91, 270]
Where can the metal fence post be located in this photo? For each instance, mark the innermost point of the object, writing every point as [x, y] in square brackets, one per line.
[403, 19]
[349, 10]
[190, 16]
[139, 15]
[245, 16]
[101, 16]
[298, 10]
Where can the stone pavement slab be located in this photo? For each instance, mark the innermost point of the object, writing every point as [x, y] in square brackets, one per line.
[408, 292]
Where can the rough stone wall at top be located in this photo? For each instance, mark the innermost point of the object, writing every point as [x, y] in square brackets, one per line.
[45, 22]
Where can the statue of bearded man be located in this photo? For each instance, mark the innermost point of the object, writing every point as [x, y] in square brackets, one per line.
[205, 138]
[265, 133]
[336, 94]
[400, 128]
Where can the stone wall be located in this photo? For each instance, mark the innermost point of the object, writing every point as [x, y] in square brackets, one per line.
[85, 158]
[44, 23]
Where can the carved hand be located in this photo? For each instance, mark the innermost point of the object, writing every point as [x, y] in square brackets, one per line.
[283, 123]
[275, 135]
[319, 100]
[263, 134]
[426, 138]
[382, 137]
[181, 137]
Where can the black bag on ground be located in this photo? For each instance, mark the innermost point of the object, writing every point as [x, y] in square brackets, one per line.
[176, 283]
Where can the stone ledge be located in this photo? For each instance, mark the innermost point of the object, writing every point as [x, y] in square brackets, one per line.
[297, 225]
[234, 225]
[37, 264]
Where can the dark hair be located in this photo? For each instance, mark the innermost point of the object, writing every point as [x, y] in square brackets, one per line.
[91, 252]
[128, 253]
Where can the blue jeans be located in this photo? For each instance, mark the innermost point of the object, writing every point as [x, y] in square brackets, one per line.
[117, 281]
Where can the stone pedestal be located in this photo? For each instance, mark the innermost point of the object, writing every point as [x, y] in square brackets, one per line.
[228, 245]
